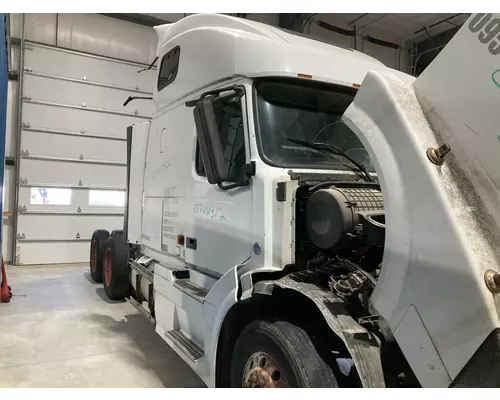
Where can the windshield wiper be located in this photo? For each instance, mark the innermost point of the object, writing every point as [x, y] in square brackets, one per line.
[330, 149]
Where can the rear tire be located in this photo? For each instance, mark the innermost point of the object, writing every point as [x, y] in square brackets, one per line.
[278, 354]
[115, 273]
[97, 248]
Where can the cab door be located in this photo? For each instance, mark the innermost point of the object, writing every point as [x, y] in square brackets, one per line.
[221, 223]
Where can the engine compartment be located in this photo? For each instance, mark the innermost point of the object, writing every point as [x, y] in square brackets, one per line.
[342, 221]
[340, 229]
[339, 244]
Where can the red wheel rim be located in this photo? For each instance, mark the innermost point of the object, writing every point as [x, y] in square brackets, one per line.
[93, 259]
[108, 265]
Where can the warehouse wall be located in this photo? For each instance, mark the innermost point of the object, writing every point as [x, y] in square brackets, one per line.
[92, 33]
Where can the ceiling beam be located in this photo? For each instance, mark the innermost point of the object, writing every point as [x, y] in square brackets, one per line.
[356, 19]
[140, 19]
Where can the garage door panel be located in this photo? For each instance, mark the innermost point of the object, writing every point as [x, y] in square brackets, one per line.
[71, 200]
[67, 173]
[73, 65]
[77, 94]
[52, 252]
[65, 226]
[49, 144]
[73, 148]
[67, 119]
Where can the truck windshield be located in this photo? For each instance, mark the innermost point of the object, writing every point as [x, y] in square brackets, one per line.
[307, 111]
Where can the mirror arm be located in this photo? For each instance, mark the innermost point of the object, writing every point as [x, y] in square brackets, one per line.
[234, 185]
[248, 170]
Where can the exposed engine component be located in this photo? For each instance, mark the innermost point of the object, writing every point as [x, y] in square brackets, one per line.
[343, 218]
[349, 284]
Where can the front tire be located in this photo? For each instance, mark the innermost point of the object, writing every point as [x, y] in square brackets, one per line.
[278, 354]
[115, 272]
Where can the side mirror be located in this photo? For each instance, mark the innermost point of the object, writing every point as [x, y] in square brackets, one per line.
[212, 153]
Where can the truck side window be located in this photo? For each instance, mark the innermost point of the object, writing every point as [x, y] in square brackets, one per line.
[230, 122]
[168, 68]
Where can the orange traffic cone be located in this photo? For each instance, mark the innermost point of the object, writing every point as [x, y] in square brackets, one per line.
[4, 288]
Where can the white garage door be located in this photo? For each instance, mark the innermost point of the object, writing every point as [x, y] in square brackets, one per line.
[73, 150]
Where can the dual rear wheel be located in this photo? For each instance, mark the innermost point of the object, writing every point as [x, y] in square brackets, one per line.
[109, 262]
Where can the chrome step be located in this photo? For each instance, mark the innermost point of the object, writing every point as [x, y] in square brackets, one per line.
[187, 346]
[192, 290]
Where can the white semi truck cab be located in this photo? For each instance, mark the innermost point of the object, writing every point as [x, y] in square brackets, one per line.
[300, 215]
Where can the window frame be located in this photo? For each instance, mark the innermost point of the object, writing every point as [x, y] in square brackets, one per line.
[258, 134]
[51, 204]
[199, 166]
[176, 49]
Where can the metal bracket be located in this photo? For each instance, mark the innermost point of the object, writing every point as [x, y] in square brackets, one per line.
[26, 98]
[81, 157]
[25, 153]
[28, 70]
[84, 78]
[82, 131]
[83, 104]
[19, 236]
[28, 46]
[80, 183]
[79, 209]
[23, 182]
[78, 235]
[25, 125]
[21, 209]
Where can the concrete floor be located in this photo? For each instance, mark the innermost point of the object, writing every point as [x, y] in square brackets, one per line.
[60, 330]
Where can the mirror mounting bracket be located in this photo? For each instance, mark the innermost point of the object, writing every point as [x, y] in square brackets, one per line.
[248, 170]
[238, 89]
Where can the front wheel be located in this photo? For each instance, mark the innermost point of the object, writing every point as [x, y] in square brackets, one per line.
[278, 354]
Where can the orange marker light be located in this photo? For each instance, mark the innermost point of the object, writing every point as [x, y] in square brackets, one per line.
[304, 76]
[180, 240]
[355, 85]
